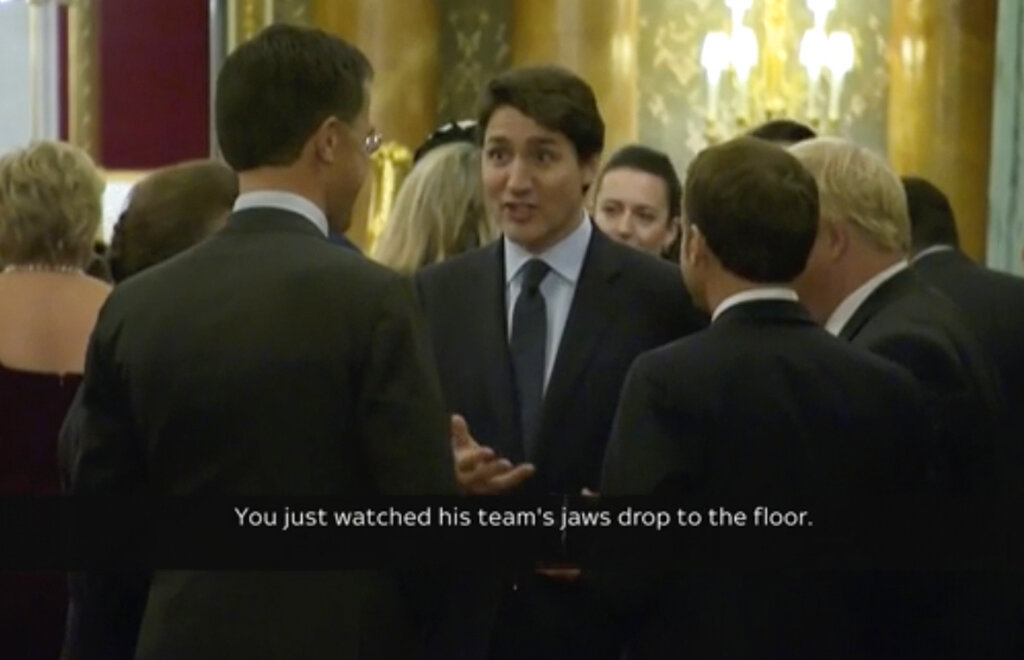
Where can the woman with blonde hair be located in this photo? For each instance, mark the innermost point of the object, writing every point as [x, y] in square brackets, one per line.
[438, 212]
[50, 208]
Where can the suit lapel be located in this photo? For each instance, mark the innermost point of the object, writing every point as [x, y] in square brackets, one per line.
[890, 290]
[589, 317]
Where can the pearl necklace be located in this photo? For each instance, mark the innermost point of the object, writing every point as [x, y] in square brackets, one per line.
[62, 269]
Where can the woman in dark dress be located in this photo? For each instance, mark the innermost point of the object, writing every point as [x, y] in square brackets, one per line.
[49, 215]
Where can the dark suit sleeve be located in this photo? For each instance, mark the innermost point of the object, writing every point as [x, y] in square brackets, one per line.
[648, 449]
[104, 458]
[401, 414]
[962, 416]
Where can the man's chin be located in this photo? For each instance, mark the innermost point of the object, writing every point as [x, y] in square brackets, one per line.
[524, 235]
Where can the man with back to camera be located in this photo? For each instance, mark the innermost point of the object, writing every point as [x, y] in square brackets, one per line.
[762, 407]
[534, 333]
[265, 361]
[858, 284]
[992, 302]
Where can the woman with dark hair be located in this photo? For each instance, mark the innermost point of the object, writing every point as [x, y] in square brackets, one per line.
[638, 200]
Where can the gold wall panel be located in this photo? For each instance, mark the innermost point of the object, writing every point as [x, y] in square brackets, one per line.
[83, 77]
[246, 18]
[940, 104]
[601, 46]
[295, 12]
[400, 37]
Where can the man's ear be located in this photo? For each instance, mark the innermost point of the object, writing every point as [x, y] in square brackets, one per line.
[326, 138]
[836, 238]
[675, 226]
[588, 171]
[694, 246]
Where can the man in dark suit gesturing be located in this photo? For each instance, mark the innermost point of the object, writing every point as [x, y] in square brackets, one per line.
[265, 361]
[762, 407]
[534, 333]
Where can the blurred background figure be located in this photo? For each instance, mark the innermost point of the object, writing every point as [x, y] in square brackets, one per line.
[98, 266]
[171, 210]
[438, 212]
[784, 132]
[462, 131]
[992, 302]
[49, 216]
[637, 200]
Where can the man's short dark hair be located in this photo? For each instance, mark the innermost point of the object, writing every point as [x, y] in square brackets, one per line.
[756, 206]
[555, 98]
[277, 88]
[653, 162]
[786, 131]
[932, 221]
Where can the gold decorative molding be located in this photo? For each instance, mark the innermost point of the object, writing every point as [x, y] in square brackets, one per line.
[388, 166]
[296, 12]
[404, 98]
[600, 46]
[83, 77]
[246, 18]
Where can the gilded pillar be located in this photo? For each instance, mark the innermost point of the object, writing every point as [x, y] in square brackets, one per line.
[400, 38]
[601, 46]
[941, 58]
[246, 18]
[83, 77]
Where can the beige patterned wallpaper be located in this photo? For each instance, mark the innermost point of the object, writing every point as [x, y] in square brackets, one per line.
[474, 47]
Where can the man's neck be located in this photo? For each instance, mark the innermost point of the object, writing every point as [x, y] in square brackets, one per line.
[725, 285]
[284, 179]
[863, 267]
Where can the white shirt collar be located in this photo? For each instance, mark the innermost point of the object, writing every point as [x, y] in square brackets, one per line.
[932, 250]
[279, 199]
[846, 309]
[758, 293]
[564, 257]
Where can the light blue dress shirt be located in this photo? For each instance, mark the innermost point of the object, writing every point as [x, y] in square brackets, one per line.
[286, 201]
[566, 261]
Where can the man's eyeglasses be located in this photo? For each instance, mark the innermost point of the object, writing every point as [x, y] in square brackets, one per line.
[372, 141]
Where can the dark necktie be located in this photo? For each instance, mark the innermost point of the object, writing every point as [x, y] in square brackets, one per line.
[529, 339]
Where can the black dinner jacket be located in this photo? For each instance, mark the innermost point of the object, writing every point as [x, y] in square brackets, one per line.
[993, 304]
[625, 303]
[263, 361]
[920, 329]
[764, 407]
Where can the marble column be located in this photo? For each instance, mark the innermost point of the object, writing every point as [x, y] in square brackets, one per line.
[1006, 178]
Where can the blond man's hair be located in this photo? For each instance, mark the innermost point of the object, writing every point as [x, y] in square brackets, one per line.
[438, 212]
[858, 187]
[50, 205]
